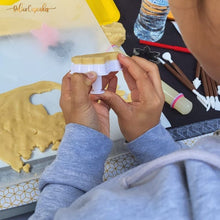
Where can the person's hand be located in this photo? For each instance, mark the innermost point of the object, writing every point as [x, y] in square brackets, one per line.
[80, 107]
[144, 82]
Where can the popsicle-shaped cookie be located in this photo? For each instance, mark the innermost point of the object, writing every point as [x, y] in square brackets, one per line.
[101, 63]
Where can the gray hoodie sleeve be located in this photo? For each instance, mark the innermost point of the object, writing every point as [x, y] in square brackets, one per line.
[78, 167]
[154, 143]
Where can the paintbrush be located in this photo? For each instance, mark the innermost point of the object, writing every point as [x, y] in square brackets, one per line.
[218, 87]
[190, 86]
[211, 92]
[167, 56]
[206, 89]
[197, 81]
[215, 93]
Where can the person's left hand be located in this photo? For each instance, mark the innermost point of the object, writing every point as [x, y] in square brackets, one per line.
[80, 107]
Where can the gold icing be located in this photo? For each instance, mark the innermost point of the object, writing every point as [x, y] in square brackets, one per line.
[25, 126]
[97, 58]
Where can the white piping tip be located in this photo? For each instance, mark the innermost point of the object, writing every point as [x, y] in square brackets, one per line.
[208, 103]
[202, 101]
[201, 97]
[218, 89]
[167, 56]
[197, 82]
[161, 60]
[212, 102]
[217, 104]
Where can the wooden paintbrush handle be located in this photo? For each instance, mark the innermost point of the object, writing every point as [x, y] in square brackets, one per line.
[179, 77]
[198, 70]
[182, 74]
[209, 85]
[214, 87]
[204, 83]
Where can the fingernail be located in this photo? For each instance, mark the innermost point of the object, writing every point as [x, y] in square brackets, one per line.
[91, 75]
[69, 74]
[123, 55]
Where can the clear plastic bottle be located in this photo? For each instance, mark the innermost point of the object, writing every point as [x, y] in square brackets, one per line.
[151, 20]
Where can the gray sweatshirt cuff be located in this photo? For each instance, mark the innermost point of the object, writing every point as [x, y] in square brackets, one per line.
[154, 143]
[80, 159]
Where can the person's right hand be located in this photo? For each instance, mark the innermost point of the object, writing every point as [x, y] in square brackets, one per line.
[144, 82]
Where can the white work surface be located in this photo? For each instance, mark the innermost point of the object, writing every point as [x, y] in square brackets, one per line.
[23, 61]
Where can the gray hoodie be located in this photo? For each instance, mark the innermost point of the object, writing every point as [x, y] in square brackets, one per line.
[172, 182]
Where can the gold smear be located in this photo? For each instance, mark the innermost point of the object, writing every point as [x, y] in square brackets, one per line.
[26, 168]
[56, 145]
[25, 126]
[129, 98]
[115, 32]
[97, 58]
[122, 94]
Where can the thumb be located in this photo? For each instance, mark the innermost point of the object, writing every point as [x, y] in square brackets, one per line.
[89, 80]
[115, 102]
[81, 85]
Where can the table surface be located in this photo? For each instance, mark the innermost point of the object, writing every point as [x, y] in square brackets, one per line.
[129, 10]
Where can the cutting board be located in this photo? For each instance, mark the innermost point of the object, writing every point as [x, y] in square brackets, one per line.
[23, 61]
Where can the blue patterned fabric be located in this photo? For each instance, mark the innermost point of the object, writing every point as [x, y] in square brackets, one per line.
[195, 129]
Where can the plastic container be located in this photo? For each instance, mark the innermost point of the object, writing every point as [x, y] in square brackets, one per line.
[170, 16]
[105, 11]
[151, 20]
[8, 2]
